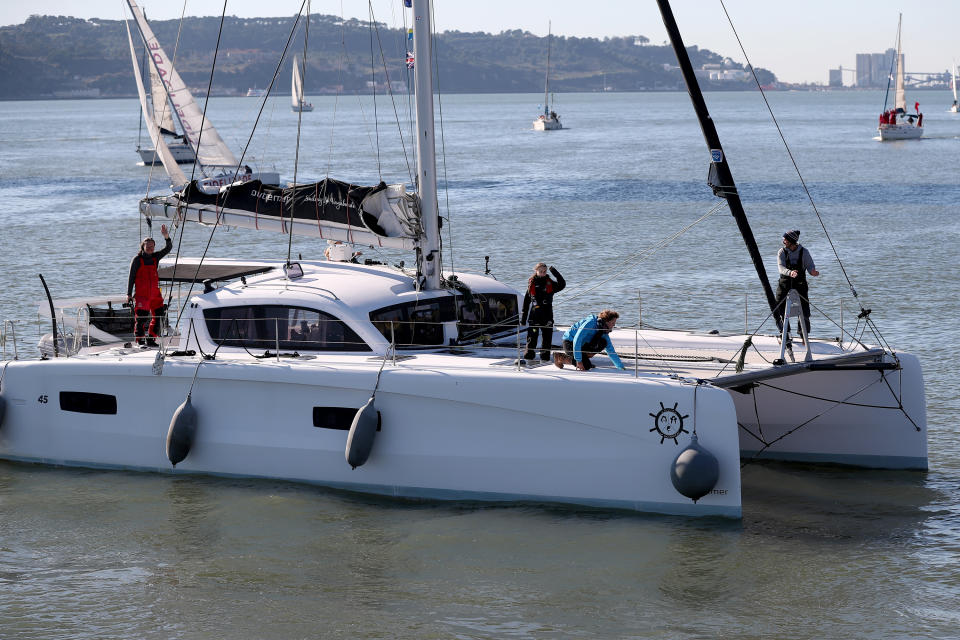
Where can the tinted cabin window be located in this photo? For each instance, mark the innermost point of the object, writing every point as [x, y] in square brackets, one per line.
[491, 313]
[415, 324]
[296, 328]
[83, 402]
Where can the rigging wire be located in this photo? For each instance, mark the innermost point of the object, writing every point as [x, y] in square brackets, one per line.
[336, 98]
[638, 257]
[373, 86]
[790, 153]
[396, 113]
[443, 144]
[222, 205]
[300, 101]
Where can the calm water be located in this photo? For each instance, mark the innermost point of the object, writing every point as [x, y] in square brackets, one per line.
[820, 552]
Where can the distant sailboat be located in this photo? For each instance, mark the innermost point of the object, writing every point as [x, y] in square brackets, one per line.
[216, 163]
[897, 124]
[549, 120]
[954, 108]
[297, 103]
[156, 108]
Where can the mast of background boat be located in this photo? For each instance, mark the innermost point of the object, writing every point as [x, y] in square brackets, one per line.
[546, 82]
[725, 187]
[426, 149]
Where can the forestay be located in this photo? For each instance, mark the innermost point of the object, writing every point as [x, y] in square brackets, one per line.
[381, 215]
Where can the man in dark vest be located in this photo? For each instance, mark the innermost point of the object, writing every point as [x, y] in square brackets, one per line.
[794, 263]
[143, 289]
[540, 290]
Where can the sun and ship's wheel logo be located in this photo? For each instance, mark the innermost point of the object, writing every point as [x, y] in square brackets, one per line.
[668, 423]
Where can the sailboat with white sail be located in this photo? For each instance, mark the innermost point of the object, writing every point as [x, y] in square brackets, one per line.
[213, 158]
[407, 382]
[548, 120]
[156, 109]
[897, 123]
[955, 107]
[297, 103]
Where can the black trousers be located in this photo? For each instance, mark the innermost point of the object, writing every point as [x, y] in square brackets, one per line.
[590, 349]
[540, 326]
[783, 288]
[148, 323]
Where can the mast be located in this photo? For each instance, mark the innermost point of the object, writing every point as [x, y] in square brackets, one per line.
[426, 147]
[546, 81]
[900, 98]
[719, 178]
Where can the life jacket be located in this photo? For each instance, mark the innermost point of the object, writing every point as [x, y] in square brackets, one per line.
[147, 284]
[801, 280]
[542, 295]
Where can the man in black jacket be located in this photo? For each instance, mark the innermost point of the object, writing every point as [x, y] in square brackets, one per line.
[540, 290]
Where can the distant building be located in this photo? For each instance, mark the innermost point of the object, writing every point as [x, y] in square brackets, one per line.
[836, 78]
[873, 69]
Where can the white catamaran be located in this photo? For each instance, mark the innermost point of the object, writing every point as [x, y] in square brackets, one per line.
[897, 124]
[297, 103]
[407, 382]
[213, 158]
[549, 120]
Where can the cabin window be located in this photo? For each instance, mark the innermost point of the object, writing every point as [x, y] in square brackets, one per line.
[339, 418]
[486, 313]
[293, 328]
[83, 402]
[415, 324]
[420, 323]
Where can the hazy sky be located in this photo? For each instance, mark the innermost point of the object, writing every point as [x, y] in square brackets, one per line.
[798, 41]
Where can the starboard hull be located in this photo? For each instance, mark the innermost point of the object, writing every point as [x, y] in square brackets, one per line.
[472, 434]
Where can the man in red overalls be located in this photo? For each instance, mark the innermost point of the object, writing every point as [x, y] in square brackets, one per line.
[148, 300]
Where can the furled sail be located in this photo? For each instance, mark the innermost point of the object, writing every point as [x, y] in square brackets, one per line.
[210, 148]
[177, 177]
[296, 89]
[382, 215]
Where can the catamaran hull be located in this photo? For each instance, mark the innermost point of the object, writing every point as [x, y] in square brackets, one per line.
[865, 418]
[899, 132]
[509, 435]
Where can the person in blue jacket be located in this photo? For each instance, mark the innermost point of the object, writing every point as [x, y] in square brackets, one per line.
[586, 338]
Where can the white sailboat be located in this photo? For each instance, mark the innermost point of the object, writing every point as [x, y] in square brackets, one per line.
[297, 103]
[156, 108]
[402, 382]
[548, 120]
[897, 124]
[955, 107]
[216, 163]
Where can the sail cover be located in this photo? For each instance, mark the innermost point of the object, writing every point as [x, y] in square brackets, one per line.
[210, 148]
[380, 215]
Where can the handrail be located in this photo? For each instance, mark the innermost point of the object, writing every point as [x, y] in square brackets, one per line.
[3, 338]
